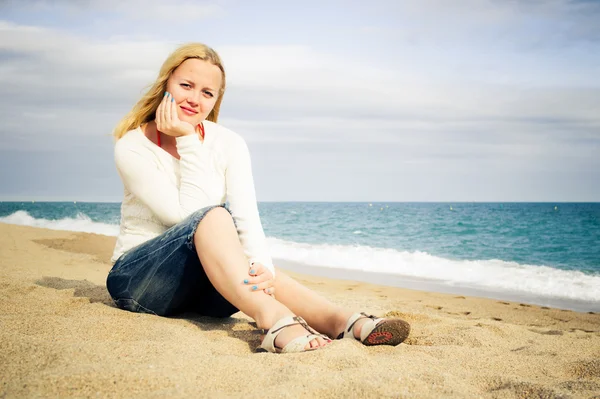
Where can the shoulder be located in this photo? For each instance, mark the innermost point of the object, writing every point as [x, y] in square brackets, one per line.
[132, 142]
[132, 137]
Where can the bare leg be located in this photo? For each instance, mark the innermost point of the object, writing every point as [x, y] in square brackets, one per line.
[226, 266]
[332, 320]
[319, 313]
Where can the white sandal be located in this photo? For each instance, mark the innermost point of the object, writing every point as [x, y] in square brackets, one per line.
[295, 345]
[377, 331]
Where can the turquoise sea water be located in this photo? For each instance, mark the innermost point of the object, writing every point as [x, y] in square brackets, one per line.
[545, 249]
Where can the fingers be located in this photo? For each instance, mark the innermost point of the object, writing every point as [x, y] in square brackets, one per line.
[256, 269]
[259, 275]
[174, 115]
[159, 119]
[167, 110]
[167, 120]
[258, 279]
[262, 286]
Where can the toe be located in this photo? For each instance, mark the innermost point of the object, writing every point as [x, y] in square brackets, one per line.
[316, 343]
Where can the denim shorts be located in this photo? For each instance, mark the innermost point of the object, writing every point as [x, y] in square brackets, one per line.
[164, 276]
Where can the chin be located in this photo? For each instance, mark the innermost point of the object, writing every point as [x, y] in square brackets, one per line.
[194, 120]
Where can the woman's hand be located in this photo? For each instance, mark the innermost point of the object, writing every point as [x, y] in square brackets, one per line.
[261, 279]
[167, 120]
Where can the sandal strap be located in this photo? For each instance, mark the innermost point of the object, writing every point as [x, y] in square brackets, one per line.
[304, 324]
[348, 333]
[297, 344]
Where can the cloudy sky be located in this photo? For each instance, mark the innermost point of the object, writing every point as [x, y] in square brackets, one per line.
[424, 100]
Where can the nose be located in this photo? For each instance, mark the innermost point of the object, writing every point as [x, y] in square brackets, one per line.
[194, 98]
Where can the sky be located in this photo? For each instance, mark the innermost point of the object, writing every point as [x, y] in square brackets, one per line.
[424, 100]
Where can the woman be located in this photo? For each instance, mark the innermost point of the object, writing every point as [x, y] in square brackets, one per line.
[180, 248]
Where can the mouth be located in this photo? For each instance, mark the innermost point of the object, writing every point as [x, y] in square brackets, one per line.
[188, 111]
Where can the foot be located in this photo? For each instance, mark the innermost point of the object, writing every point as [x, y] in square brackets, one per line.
[292, 332]
[289, 333]
[358, 327]
[374, 331]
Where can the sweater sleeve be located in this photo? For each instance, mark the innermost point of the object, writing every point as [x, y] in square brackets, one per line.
[241, 196]
[170, 204]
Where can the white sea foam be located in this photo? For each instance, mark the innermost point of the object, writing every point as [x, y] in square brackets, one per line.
[491, 274]
[80, 223]
[487, 274]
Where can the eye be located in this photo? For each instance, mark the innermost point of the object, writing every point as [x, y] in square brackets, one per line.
[208, 93]
[186, 85]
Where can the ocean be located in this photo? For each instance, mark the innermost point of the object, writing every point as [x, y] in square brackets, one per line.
[544, 253]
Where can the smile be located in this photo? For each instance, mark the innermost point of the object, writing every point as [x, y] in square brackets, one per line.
[189, 111]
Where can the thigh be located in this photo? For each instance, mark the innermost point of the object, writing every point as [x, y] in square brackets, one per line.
[164, 276]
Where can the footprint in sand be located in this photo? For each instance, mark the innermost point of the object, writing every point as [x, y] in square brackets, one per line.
[459, 313]
[582, 330]
[519, 349]
[520, 389]
[549, 332]
[585, 368]
[580, 385]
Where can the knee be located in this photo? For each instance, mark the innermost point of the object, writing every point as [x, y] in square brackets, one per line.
[218, 215]
[221, 211]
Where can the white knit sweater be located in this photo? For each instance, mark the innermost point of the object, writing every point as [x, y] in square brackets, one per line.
[160, 190]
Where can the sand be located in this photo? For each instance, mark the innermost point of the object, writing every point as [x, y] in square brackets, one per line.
[61, 336]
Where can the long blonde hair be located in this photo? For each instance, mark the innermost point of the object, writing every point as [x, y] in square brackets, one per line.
[145, 109]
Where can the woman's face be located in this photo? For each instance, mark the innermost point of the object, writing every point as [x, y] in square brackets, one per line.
[195, 87]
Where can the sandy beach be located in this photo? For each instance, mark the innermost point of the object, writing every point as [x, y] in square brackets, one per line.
[61, 336]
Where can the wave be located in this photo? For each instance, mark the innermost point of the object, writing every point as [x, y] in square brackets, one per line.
[492, 274]
[81, 223]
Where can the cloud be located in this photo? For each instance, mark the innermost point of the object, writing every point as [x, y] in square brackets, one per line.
[137, 10]
[462, 99]
[524, 24]
[274, 89]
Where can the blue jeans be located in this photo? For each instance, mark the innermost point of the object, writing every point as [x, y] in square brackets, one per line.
[164, 276]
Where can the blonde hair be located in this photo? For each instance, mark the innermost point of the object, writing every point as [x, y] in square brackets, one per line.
[145, 109]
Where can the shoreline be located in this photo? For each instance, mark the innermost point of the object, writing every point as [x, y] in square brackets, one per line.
[430, 285]
[418, 283]
[63, 337]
